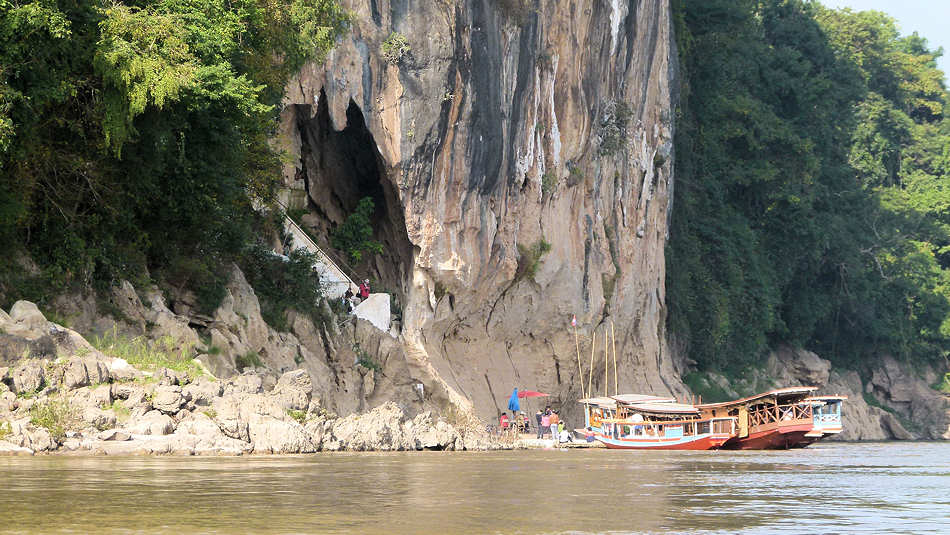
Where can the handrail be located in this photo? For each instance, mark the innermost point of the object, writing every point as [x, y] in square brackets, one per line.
[314, 245]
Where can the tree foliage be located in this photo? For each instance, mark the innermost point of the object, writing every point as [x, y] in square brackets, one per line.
[134, 134]
[812, 188]
[355, 235]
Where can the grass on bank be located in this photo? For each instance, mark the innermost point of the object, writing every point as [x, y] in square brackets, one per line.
[148, 355]
[56, 416]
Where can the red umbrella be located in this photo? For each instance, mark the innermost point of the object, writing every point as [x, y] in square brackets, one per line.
[531, 394]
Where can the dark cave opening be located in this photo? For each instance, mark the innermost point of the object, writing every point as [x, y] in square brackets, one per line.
[340, 167]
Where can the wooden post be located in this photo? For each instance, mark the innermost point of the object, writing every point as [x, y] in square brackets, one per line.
[613, 343]
[590, 380]
[580, 369]
[606, 363]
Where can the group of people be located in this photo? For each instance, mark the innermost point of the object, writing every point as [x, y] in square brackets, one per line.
[351, 299]
[516, 421]
[548, 421]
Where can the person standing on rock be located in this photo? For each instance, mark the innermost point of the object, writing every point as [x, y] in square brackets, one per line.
[554, 420]
[545, 422]
[538, 417]
[364, 289]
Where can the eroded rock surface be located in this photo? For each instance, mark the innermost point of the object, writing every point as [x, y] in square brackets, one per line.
[91, 403]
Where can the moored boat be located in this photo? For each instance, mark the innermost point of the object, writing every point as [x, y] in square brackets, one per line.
[826, 417]
[776, 419]
[634, 421]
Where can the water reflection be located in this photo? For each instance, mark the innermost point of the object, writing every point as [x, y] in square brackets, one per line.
[874, 488]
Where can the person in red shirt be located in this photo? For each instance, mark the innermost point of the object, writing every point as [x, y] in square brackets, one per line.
[503, 422]
[364, 289]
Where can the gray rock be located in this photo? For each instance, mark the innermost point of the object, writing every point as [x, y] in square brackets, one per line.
[29, 316]
[202, 391]
[293, 390]
[98, 418]
[152, 423]
[248, 383]
[7, 448]
[270, 435]
[28, 376]
[168, 399]
[167, 376]
[74, 374]
[115, 434]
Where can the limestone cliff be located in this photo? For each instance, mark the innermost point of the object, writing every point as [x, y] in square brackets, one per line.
[506, 125]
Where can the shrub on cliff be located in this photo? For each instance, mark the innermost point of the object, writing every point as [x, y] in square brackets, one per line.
[283, 283]
[395, 47]
[355, 235]
[530, 259]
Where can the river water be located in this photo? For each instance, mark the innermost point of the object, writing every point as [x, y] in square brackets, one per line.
[892, 487]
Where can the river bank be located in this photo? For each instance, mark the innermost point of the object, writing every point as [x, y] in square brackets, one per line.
[60, 394]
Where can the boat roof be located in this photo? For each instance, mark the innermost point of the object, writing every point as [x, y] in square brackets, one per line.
[641, 398]
[826, 399]
[599, 401]
[779, 392]
[664, 408]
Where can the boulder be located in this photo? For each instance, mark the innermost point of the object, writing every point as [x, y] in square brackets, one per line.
[7, 448]
[202, 391]
[378, 430]
[98, 418]
[270, 435]
[209, 440]
[121, 370]
[167, 376]
[117, 435]
[152, 423]
[27, 315]
[293, 390]
[28, 376]
[84, 371]
[247, 383]
[168, 399]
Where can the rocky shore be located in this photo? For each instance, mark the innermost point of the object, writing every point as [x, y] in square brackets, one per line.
[59, 394]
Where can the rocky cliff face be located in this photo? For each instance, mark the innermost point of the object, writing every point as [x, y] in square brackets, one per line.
[506, 128]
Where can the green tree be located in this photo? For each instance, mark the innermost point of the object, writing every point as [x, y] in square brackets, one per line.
[355, 235]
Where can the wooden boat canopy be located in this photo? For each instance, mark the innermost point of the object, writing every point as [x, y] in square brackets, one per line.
[607, 403]
[627, 399]
[663, 408]
[793, 391]
[826, 399]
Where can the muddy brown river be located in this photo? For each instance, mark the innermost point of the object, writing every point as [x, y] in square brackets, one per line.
[892, 487]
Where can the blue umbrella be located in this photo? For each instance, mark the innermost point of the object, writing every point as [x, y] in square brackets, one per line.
[513, 404]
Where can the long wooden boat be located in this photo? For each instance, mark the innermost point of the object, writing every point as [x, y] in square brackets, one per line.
[826, 411]
[777, 419]
[635, 421]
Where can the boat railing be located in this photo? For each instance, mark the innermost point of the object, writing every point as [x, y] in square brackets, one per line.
[686, 427]
[831, 418]
[768, 414]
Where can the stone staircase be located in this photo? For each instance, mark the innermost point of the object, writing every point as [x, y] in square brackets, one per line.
[375, 309]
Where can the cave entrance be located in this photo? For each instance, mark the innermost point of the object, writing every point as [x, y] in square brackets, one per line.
[339, 168]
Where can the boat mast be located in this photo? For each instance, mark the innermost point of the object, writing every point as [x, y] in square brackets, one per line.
[613, 342]
[606, 362]
[590, 380]
[580, 368]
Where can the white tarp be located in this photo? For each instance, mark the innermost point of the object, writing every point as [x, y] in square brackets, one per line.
[375, 310]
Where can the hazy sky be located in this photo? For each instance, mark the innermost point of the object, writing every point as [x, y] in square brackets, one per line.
[929, 18]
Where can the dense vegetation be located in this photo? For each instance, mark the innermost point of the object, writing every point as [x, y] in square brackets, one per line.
[812, 204]
[134, 134]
